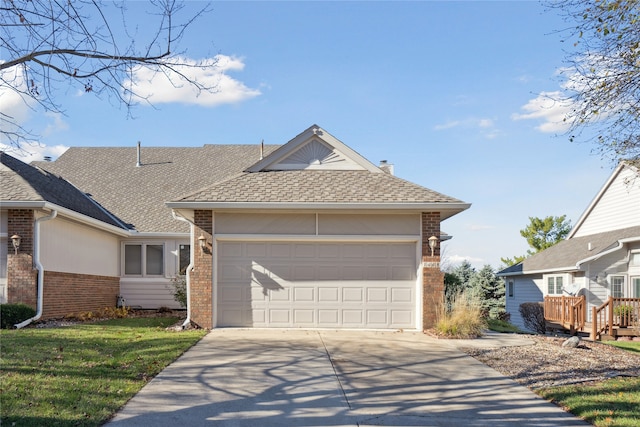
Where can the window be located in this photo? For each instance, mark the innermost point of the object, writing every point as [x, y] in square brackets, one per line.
[510, 290]
[185, 256]
[554, 285]
[617, 286]
[635, 259]
[635, 286]
[144, 260]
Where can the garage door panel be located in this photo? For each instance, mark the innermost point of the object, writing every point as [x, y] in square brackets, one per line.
[281, 284]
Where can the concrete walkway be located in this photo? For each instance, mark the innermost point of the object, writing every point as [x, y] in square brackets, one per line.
[263, 378]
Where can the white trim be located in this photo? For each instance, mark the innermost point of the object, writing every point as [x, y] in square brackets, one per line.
[315, 238]
[312, 132]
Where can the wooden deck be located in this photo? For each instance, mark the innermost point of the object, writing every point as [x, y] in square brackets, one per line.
[615, 318]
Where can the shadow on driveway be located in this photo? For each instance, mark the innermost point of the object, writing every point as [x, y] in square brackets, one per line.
[263, 378]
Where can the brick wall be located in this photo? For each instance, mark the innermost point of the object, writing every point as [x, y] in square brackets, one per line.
[20, 222]
[432, 277]
[202, 274]
[69, 293]
[21, 274]
[22, 278]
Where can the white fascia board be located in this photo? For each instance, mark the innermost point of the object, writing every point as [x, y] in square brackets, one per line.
[157, 235]
[22, 204]
[448, 208]
[544, 271]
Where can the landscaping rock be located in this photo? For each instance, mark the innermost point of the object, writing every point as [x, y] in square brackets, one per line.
[572, 342]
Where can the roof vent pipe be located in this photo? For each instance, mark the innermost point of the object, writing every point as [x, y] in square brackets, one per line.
[138, 163]
[589, 247]
[386, 167]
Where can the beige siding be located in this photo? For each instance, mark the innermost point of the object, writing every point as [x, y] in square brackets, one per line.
[71, 247]
[341, 224]
[4, 239]
[617, 208]
[240, 223]
[320, 224]
[147, 293]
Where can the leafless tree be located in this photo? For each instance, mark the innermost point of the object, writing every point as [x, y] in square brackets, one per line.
[51, 46]
[602, 77]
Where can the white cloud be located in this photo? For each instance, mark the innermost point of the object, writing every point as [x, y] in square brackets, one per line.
[480, 227]
[487, 126]
[455, 260]
[34, 151]
[549, 107]
[56, 125]
[161, 88]
[15, 108]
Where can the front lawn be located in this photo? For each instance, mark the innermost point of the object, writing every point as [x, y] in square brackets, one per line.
[614, 402]
[81, 375]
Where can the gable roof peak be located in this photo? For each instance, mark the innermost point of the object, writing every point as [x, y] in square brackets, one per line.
[314, 149]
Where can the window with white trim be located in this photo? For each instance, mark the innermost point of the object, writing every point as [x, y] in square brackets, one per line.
[617, 286]
[143, 259]
[635, 259]
[554, 285]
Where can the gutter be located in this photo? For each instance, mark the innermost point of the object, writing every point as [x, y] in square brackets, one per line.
[619, 246]
[192, 255]
[36, 260]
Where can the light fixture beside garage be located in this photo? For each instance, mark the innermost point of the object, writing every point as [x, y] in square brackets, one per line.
[15, 239]
[203, 243]
[433, 242]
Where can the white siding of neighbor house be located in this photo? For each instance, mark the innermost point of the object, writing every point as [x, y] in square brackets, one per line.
[526, 289]
[618, 207]
[71, 247]
[155, 291]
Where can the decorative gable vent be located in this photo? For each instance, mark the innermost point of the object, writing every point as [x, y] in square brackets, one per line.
[315, 155]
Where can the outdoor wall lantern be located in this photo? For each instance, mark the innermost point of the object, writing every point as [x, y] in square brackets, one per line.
[203, 243]
[16, 242]
[433, 242]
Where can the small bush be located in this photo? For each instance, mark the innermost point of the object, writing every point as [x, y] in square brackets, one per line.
[463, 320]
[533, 316]
[10, 314]
[179, 289]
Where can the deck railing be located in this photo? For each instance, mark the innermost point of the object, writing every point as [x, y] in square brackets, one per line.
[615, 312]
[570, 312]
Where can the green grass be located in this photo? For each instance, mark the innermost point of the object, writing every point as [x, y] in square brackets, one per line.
[502, 326]
[81, 375]
[614, 402]
[633, 346]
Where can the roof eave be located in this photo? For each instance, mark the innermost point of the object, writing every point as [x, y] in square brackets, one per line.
[541, 271]
[447, 209]
[67, 213]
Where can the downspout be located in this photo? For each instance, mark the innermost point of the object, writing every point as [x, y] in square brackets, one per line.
[36, 261]
[187, 321]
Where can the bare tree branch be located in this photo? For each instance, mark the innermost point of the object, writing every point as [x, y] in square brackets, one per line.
[53, 45]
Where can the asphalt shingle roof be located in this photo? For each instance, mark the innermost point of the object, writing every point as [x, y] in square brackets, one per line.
[25, 183]
[569, 252]
[318, 186]
[137, 195]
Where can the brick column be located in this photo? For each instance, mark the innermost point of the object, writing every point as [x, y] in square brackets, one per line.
[22, 278]
[201, 278]
[432, 277]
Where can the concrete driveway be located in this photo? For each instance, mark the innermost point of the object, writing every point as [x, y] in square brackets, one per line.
[263, 378]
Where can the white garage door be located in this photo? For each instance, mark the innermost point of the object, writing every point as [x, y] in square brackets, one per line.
[316, 285]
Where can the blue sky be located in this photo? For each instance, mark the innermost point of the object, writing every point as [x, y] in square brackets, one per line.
[449, 92]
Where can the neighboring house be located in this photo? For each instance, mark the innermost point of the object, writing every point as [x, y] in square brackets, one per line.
[308, 234]
[599, 258]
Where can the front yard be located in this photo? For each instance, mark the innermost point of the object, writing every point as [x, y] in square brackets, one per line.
[81, 375]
